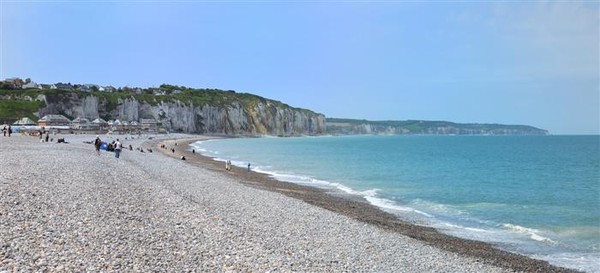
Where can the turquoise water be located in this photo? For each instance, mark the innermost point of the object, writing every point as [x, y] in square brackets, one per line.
[535, 195]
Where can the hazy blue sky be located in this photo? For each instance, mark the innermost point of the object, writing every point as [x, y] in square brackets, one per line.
[512, 62]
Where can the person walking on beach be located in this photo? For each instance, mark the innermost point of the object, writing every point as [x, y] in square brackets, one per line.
[118, 146]
[4, 130]
[98, 144]
[248, 167]
[9, 130]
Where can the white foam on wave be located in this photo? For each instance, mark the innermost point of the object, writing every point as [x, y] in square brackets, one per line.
[370, 195]
[470, 231]
[534, 234]
[197, 146]
[473, 229]
[437, 207]
[393, 206]
[585, 262]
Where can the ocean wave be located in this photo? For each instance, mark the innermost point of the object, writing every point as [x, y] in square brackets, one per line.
[534, 234]
[583, 232]
[471, 229]
[393, 206]
[370, 195]
[586, 262]
[437, 207]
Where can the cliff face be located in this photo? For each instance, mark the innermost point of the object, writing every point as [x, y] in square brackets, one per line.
[70, 104]
[264, 117]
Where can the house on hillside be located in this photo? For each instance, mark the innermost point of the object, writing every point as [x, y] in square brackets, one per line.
[110, 89]
[54, 120]
[88, 87]
[64, 86]
[31, 85]
[14, 83]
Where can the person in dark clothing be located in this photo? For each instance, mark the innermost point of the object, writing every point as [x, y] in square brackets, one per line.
[98, 144]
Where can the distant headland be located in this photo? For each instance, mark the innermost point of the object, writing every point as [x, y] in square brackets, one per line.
[424, 127]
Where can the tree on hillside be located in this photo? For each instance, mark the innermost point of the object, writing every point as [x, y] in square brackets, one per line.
[6, 85]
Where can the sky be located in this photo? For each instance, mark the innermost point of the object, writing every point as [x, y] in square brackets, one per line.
[509, 62]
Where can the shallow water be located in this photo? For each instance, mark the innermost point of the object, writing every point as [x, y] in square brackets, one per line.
[535, 195]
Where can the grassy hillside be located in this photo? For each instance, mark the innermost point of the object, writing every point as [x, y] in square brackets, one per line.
[12, 110]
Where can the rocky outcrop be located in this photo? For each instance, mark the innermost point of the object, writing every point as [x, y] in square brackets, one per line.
[260, 117]
[71, 105]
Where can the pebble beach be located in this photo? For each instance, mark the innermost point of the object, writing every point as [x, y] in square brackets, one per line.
[63, 208]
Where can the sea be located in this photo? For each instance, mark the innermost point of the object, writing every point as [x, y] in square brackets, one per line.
[534, 195]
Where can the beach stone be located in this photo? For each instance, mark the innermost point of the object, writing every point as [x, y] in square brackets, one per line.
[63, 208]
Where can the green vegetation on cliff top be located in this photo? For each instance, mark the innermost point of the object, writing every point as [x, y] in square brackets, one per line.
[11, 110]
[15, 104]
[337, 125]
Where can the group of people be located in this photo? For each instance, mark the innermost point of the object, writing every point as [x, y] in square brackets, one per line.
[41, 134]
[7, 130]
[115, 146]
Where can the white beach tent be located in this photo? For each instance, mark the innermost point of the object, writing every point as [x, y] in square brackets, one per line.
[25, 122]
[99, 121]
